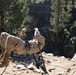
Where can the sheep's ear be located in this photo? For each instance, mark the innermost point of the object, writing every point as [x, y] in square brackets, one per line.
[36, 29]
[36, 32]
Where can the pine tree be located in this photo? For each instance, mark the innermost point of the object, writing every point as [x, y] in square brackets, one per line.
[60, 12]
[12, 14]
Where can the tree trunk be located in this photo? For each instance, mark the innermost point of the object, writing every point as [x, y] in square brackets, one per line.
[1, 20]
[72, 2]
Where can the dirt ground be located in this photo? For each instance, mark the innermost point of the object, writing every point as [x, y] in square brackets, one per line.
[55, 65]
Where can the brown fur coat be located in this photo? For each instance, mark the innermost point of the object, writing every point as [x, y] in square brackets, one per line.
[12, 43]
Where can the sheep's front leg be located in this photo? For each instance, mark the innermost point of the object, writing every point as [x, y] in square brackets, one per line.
[8, 49]
[5, 61]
